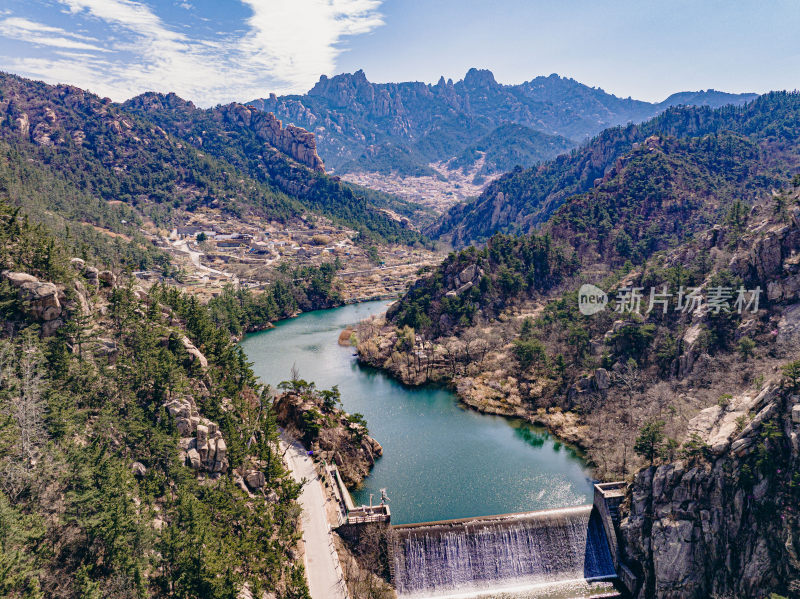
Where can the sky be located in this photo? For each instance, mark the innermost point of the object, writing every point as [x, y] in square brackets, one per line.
[217, 51]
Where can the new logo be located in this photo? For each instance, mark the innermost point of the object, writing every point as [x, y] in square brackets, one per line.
[591, 299]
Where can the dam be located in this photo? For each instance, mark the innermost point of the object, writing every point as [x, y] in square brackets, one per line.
[556, 553]
[496, 553]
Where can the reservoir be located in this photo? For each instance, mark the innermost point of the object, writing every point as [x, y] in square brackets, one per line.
[440, 460]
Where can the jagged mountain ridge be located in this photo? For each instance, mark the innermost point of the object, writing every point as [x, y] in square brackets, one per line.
[522, 200]
[364, 126]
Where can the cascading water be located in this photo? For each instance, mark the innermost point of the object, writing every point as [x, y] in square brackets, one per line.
[513, 551]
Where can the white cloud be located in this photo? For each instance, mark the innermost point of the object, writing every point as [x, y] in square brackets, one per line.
[297, 40]
[286, 46]
[36, 33]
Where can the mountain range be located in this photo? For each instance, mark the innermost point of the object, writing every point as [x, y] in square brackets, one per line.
[750, 147]
[403, 128]
[703, 197]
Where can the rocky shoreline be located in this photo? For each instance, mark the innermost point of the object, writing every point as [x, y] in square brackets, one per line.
[328, 432]
[477, 393]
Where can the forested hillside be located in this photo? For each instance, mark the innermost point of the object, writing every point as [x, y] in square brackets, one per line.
[507, 147]
[87, 225]
[236, 134]
[654, 198]
[103, 151]
[524, 199]
[481, 283]
[130, 424]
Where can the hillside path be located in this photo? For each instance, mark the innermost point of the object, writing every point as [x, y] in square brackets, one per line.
[194, 256]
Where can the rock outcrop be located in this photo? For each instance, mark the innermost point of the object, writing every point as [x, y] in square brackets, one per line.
[727, 525]
[339, 439]
[195, 353]
[41, 300]
[201, 445]
[293, 141]
[464, 280]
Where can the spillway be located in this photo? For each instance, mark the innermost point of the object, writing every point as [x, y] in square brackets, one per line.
[462, 557]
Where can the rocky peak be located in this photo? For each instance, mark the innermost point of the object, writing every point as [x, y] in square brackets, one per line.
[345, 89]
[478, 78]
[158, 101]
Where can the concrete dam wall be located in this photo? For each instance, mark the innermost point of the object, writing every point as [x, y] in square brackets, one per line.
[507, 551]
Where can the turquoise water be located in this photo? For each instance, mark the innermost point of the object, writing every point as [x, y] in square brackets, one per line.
[440, 460]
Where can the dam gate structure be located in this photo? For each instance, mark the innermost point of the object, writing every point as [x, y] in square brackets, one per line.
[499, 553]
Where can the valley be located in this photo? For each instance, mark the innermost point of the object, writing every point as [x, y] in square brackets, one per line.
[404, 340]
[438, 191]
[214, 250]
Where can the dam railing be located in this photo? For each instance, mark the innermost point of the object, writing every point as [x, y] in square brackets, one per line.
[349, 513]
[367, 519]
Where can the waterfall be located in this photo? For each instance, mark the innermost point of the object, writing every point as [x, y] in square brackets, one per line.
[484, 554]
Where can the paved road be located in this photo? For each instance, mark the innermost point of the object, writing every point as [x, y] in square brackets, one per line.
[322, 563]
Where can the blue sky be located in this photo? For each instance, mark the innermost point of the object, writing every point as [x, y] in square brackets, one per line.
[213, 51]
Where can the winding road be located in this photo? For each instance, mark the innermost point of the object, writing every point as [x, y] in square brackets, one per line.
[324, 574]
[183, 246]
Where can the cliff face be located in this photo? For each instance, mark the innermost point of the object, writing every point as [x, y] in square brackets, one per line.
[292, 141]
[726, 526]
[295, 142]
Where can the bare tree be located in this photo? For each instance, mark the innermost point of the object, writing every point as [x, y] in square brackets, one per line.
[6, 362]
[22, 379]
[368, 350]
[289, 437]
[27, 405]
[294, 373]
[481, 349]
[367, 329]
[630, 378]
[470, 339]
[452, 352]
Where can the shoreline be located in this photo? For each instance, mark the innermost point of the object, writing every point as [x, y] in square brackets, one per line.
[259, 328]
[563, 426]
